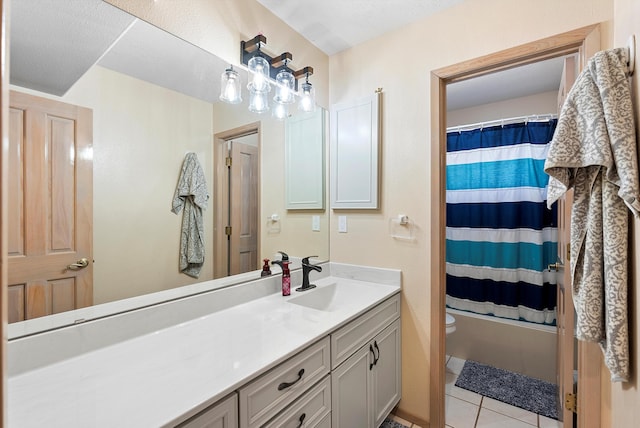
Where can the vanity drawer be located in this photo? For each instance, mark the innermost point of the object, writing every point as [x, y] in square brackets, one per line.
[348, 339]
[309, 410]
[263, 398]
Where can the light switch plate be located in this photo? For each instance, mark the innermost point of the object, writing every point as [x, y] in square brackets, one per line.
[342, 223]
[315, 223]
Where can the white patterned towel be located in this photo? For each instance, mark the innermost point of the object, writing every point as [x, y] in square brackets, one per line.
[594, 151]
[191, 193]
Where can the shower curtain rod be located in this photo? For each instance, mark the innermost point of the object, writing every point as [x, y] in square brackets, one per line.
[502, 122]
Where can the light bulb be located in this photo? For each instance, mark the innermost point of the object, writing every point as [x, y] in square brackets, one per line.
[230, 87]
[259, 68]
[280, 111]
[284, 88]
[258, 102]
[307, 98]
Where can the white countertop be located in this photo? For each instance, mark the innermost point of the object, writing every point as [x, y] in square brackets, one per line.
[154, 379]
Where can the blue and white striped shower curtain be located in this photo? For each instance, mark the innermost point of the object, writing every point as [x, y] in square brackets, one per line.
[500, 235]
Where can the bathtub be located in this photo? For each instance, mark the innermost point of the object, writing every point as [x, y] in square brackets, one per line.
[516, 346]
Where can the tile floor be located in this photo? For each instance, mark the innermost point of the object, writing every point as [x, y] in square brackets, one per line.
[466, 409]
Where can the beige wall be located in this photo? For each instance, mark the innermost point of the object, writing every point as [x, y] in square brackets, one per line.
[543, 103]
[400, 63]
[623, 405]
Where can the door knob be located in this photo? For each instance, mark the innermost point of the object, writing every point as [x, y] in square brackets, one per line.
[555, 266]
[80, 264]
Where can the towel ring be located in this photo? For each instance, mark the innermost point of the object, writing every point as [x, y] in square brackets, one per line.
[631, 45]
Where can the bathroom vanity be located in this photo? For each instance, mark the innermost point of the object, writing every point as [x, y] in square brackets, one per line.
[329, 357]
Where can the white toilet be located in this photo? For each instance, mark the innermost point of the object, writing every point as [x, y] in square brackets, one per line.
[450, 323]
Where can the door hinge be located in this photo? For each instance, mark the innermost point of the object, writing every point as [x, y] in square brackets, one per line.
[568, 252]
[227, 230]
[228, 161]
[571, 402]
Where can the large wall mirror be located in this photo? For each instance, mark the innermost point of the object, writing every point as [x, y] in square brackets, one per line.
[149, 99]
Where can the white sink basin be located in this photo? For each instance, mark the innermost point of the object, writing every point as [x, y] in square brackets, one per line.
[323, 298]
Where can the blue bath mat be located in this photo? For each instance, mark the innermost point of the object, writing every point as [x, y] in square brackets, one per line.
[531, 394]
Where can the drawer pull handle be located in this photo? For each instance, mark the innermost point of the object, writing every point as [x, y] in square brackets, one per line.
[302, 416]
[375, 345]
[374, 357]
[285, 385]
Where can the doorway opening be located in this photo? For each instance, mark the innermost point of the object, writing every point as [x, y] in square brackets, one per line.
[237, 200]
[584, 42]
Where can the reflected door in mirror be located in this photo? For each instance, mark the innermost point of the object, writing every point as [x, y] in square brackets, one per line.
[238, 184]
[50, 207]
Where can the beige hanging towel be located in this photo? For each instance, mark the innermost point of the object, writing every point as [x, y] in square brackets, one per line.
[191, 194]
[594, 151]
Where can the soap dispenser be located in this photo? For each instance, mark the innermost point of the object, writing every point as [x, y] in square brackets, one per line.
[286, 275]
[265, 268]
[286, 279]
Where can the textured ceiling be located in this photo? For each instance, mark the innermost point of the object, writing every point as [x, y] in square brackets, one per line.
[336, 25]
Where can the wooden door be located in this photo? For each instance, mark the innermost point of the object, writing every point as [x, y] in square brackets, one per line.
[566, 314]
[50, 207]
[236, 201]
[243, 214]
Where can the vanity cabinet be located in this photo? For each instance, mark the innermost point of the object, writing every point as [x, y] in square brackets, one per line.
[223, 414]
[366, 383]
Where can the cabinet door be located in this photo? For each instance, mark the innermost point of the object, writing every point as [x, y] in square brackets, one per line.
[386, 375]
[304, 161]
[221, 415]
[351, 391]
[355, 143]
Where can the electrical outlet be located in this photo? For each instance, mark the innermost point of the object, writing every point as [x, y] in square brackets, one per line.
[342, 223]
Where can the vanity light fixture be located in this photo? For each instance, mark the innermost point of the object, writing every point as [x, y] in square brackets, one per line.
[265, 70]
[307, 101]
[230, 91]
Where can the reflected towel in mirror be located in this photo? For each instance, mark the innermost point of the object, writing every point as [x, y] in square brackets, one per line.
[192, 195]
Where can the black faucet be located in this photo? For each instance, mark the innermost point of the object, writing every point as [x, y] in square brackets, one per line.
[284, 258]
[306, 268]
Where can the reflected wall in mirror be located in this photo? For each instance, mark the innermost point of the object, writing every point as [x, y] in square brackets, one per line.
[149, 108]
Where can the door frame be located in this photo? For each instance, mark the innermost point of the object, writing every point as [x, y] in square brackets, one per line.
[585, 42]
[220, 254]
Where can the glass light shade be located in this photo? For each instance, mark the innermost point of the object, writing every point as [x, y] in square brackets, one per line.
[280, 111]
[284, 88]
[307, 101]
[258, 101]
[259, 71]
[230, 91]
